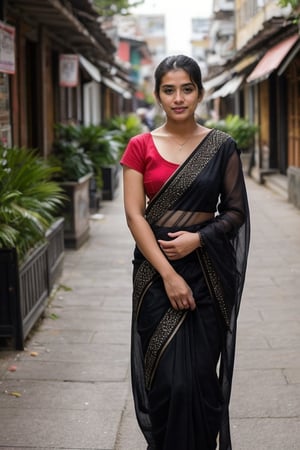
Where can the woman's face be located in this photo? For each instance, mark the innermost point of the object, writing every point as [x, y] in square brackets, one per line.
[178, 95]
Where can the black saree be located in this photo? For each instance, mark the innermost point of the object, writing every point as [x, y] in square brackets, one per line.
[182, 361]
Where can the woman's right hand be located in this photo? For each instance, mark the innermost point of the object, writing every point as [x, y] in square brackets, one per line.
[179, 292]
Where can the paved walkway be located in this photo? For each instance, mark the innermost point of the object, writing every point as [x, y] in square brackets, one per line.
[70, 389]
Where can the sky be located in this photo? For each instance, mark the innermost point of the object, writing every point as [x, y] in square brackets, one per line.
[178, 19]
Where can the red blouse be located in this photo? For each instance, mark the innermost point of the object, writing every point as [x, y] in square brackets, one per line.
[142, 156]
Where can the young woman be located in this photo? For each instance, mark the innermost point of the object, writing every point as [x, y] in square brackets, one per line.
[186, 207]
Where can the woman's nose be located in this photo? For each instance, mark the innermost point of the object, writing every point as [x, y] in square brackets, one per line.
[178, 96]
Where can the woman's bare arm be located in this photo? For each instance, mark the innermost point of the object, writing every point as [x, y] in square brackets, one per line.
[178, 291]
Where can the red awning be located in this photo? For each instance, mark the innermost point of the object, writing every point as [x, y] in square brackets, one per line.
[272, 59]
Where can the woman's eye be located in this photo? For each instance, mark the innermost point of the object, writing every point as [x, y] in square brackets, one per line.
[188, 90]
[168, 91]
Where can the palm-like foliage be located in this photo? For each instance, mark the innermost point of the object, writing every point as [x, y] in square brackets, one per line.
[69, 154]
[29, 198]
[100, 144]
[80, 149]
[101, 148]
[239, 128]
[122, 128]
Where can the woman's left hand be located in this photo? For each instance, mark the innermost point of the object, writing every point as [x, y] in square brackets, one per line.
[182, 244]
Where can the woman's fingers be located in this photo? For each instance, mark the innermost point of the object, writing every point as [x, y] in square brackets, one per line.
[179, 292]
[181, 244]
[188, 303]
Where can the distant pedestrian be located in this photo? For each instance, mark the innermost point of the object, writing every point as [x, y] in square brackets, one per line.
[146, 122]
[186, 207]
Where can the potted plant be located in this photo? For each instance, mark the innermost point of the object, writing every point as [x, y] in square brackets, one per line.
[76, 170]
[103, 150]
[31, 239]
[123, 128]
[242, 131]
[119, 130]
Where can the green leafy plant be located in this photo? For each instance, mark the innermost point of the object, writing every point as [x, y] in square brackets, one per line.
[240, 129]
[80, 149]
[108, 8]
[122, 128]
[29, 198]
[98, 142]
[294, 14]
[294, 3]
[101, 146]
[69, 154]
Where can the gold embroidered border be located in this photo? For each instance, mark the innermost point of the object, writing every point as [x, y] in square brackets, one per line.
[143, 279]
[166, 328]
[159, 341]
[214, 284]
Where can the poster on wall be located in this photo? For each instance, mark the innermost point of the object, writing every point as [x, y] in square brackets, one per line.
[5, 126]
[68, 70]
[7, 48]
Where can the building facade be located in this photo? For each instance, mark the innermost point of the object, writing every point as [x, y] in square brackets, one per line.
[260, 82]
[57, 66]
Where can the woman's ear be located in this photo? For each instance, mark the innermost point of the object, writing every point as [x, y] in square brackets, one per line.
[157, 98]
[200, 96]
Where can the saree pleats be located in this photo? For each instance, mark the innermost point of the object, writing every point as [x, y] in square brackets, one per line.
[184, 396]
[182, 361]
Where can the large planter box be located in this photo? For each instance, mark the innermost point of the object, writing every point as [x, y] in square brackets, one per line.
[25, 288]
[246, 157]
[294, 185]
[110, 176]
[95, 195]
[76, 212]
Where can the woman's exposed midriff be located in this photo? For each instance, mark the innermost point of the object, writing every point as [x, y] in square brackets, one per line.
[184, 218]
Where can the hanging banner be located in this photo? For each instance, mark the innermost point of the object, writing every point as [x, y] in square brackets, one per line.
[7, 48]
[68, 70]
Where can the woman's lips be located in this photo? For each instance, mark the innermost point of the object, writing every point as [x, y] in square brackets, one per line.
[178, 110]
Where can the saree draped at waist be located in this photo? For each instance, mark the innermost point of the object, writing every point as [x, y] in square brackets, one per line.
[181, 399]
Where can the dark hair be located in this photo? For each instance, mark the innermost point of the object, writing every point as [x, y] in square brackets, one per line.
[189, 65]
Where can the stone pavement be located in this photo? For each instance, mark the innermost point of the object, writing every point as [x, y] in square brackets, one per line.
[70, 388]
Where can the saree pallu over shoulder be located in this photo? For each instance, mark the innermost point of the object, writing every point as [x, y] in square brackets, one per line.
[182, 179]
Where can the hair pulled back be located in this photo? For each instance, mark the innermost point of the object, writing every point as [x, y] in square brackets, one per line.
[175, 62]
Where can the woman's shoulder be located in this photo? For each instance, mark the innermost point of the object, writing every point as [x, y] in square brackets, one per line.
[224, 140]
[141, 138]
[137, 146]
[222, 135]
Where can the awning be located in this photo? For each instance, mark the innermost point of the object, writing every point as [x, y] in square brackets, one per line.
[272, 59]
[92, 70]
[289, 58]
[245, 63]
[73, 24]
[217, 81]
[228, 88]
[117, 87]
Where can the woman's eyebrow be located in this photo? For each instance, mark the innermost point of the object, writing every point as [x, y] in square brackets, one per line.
[182, 85]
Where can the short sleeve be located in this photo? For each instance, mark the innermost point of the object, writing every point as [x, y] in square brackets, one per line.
[134, 154]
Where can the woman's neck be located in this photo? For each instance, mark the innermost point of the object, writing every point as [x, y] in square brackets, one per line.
[181, 128]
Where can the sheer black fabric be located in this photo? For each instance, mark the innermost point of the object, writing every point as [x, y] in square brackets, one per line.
[182, 361]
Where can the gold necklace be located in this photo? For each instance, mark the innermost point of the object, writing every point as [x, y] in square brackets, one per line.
[183, 144]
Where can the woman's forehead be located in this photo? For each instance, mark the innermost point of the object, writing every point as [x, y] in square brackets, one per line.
[176, 76]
